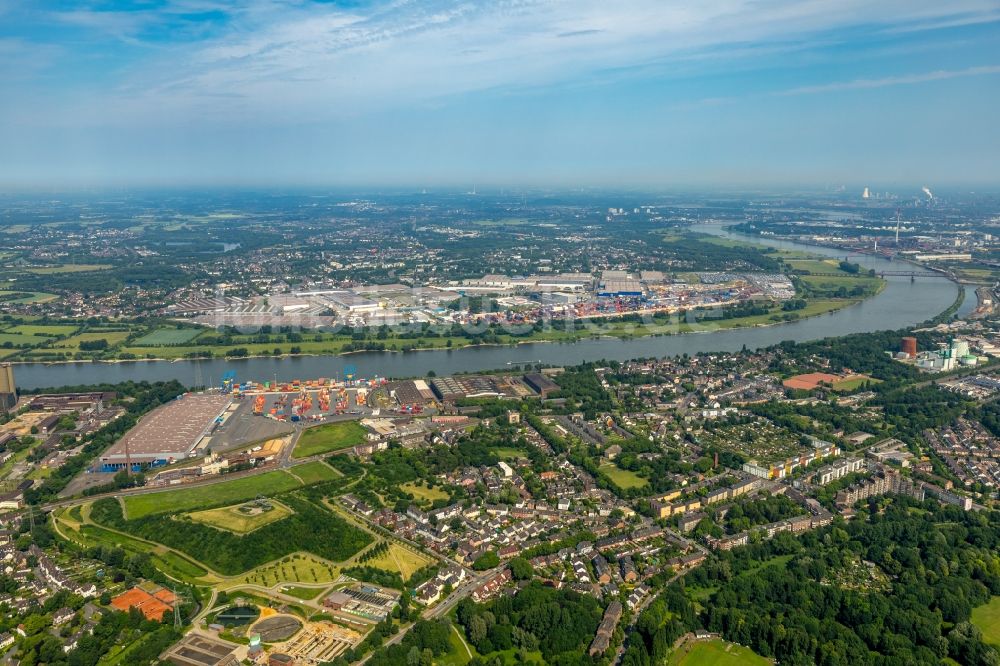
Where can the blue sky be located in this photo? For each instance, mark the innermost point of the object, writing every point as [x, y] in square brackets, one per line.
[643, 93]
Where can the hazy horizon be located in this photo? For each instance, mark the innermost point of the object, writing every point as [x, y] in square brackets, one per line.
[641, 95]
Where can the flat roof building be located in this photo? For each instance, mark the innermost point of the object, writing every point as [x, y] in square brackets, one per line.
[540, 383]
[168, 433]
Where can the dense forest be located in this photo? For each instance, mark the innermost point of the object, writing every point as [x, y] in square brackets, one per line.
[557, 623]
[800, 601]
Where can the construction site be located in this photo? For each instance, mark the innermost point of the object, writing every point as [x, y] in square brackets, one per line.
[319, 643]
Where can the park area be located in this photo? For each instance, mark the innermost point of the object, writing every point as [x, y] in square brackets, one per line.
[242, 518]
[715, 652]
[622, 478]
[422, 493]
[212, 495]
[987, 619]
[399, 559]
[329, 437]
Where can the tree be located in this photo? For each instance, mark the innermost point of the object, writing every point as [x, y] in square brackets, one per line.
[521, 569]
[487, 560]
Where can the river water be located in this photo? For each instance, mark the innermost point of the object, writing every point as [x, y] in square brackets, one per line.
[902, 303]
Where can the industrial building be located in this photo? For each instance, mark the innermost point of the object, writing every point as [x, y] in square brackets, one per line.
[541, 384]
[169, 433]
[198, 650]
[83, 403]
[624, 288]
[8, 388]
[471, 386]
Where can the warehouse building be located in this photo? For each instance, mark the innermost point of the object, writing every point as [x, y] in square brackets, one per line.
[541, 384]
[620, 289]
[169, 433]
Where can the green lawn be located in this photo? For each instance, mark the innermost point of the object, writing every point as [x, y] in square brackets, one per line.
[173, 564]
[422, 493]
[399, 559]
[853, 383]
[329, 437]
[315, 472]
[216, 494]
[232, 519]
[987, 618]
[622, 478]
[715, 653]
[458, 655]
[304, 593]
[508, 453]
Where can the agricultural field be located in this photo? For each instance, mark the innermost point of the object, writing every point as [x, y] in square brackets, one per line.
[216, 494]
[622, 478]
[69, 268]
[51, 330]
[399, 559]
[329, 437]
[23, 297]
[423, 493]
[114, 338]
[715, 652]
[242, 518]
[168, 336]
[20, 340]
[987, 619]
[314, 472]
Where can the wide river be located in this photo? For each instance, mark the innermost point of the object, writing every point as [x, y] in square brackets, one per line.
[902, 303]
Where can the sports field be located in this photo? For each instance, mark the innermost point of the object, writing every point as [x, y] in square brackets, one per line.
[329, 437]
[622, 478]
[216, 494]
[853, 382]
[168, 336]
[987, 618]
[399, 559]
[240, 518]
[715, 652]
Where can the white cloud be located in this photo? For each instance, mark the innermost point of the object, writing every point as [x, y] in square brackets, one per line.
[907, 79]
[296, 61]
